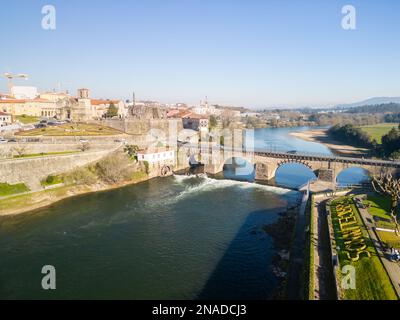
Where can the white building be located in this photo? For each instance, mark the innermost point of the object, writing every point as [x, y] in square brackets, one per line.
[5, 119]
[204, 109]
[21, 92]
[156, 155]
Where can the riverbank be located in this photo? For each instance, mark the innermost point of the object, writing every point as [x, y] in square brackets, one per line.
[321, 136]
[19, 204]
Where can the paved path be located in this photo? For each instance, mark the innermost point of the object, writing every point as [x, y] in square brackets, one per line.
[296, 262]
[324, 282]
[392, 268]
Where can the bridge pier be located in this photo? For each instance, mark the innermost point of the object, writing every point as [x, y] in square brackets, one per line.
[261, 170]
[212, 168]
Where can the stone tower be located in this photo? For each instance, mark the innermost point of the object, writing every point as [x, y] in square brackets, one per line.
[83, 93]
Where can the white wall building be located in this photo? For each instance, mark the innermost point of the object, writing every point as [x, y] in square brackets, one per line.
[155, 155]
[20, 92]
[5, 119]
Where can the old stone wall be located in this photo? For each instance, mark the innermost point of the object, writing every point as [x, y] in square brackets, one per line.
[142, 127]
[32, 170]
[8, 150]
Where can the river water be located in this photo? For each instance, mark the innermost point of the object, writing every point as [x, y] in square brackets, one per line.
[168, 238]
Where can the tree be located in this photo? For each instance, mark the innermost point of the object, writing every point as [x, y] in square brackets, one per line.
[20, 151]
[112, 111]
[113, 168]
[84, 146]
[213, 122]
[389, 186]
[131, 150]
[391, 142]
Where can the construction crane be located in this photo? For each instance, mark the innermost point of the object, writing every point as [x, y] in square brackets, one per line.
[10, 76]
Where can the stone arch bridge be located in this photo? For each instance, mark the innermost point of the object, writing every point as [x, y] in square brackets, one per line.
[266, 163]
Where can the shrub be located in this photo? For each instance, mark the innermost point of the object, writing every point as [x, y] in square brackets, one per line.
[51, 180]
[113, 168]
[146, 165]
[80, 176]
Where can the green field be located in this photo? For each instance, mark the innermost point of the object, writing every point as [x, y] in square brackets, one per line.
[372, 281]
[79, 129]
[376, 131]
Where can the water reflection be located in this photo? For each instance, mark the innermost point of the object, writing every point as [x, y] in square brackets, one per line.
[352, 176]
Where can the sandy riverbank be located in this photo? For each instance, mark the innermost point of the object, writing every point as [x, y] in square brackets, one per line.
[321, 136]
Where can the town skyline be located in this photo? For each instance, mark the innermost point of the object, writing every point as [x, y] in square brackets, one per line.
[261, 55]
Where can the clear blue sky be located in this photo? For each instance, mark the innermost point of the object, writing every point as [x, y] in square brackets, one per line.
[251, 53]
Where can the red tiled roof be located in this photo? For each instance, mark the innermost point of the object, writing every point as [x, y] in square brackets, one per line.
[190, 115]
[97, 102]
[24, 100]
[154, 150]
[12, 101]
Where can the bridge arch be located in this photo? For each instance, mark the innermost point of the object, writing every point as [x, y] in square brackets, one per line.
[239, 167]
[354, 174]
[294, 173]
[298, 161]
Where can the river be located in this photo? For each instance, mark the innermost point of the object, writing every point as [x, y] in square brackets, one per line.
[168, 238]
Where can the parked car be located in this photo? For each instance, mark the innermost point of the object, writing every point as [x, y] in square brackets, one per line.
[2, 140]
[12, 140]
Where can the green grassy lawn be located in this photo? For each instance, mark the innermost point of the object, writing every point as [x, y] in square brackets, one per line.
[390, 239]
[46, 154]
[27, 119]
[80, 129]
[372, 281]
[26, 200]
[379, 206]
[10, 189]
[376, 131]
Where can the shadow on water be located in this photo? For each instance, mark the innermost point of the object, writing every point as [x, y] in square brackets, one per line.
[251, 276]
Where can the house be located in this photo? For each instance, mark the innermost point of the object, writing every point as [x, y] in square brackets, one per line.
[195, 122]
[156, 155]
[5, 119]
[191, 120]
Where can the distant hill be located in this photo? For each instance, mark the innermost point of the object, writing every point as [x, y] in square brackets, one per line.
[370, 102]
[376, 108]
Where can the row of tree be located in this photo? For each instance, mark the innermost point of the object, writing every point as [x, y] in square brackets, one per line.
[390, 146]
[377, 108]
[348, 133]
